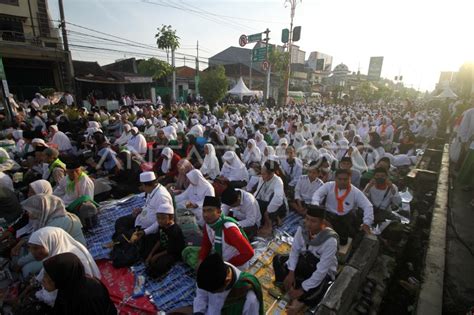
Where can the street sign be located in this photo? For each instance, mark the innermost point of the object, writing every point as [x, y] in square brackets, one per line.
[254, 38]
[260, 54]
[265, 65]
[243, 40]
[2, 70]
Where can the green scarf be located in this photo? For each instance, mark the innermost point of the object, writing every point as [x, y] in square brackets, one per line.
[218, 226]
[235, 301]
[70, 184]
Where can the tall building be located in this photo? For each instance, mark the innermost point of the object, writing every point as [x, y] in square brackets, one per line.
[319, 61]
[297, 55]
[30, 48]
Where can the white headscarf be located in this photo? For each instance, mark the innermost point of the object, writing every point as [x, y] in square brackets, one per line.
[165, 166]
[270, 152]
[57, 241]
[210, 165]
[199, 187]
[234, 169]
[259, 139]
[43, 208]
[41, 186]
[253, 154]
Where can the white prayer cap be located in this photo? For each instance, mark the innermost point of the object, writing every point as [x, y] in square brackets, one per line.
[54, 127]
[272, 126]
[146, 177]
[165, 208]
[135, 129]
[194, 121]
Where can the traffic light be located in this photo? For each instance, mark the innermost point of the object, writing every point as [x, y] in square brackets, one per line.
[296, 34]
[401, 78]
[285, 35]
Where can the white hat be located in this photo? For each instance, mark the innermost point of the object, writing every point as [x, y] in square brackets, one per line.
[135, 129]
[146, 177]
[165, 208]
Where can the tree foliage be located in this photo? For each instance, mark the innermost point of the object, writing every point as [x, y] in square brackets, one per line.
[213, 84]
[167, 39]
[279, 62]
[155, 68]
[465, 80]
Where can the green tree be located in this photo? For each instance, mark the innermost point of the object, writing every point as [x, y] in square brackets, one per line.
[155, 68]
[213, 84]
[364, 91]
[465, 80]
[167, 39]
[279, 61]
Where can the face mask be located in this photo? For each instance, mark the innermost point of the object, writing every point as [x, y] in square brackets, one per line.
[252, 172]
[380, 181]
[45, 116]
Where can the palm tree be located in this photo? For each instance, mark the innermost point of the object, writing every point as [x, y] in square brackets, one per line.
[167, 40]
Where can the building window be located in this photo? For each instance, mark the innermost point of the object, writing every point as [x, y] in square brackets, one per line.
[43, 19]
[9, 2]
[11, 28]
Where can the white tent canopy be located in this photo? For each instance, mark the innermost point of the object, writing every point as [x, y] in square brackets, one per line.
[447, 93]
[241, 89]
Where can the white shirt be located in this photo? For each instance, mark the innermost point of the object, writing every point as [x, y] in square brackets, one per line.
[326, 252]
[384, 198]
[247, 213]
[305, 188]
[271, 191]
[241, 133]
[147, 217]
[69, 99]
[62, 141]
[292, 172]
[211, 303]
[85, 186]
[355, 199]
[137, 144]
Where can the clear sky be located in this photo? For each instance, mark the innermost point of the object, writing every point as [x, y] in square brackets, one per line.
[418, 38]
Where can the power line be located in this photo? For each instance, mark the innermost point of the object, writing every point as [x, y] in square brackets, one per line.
[232, 17]
[200, 14]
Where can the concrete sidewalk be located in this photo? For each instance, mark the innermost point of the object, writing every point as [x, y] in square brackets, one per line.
[459, 274]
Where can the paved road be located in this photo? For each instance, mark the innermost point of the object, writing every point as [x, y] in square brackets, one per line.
[459, 274]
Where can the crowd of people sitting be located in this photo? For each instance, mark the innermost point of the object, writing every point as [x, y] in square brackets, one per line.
[237, 172]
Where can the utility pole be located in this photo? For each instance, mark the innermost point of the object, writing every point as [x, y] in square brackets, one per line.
[69, 68]
[173, 93]
[293, 4]
[267, 39]
[251, 66]
[196, 79]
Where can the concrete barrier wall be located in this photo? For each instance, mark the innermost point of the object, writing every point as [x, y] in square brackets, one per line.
[430, 300]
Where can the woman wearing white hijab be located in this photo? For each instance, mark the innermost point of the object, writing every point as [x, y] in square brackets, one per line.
[299, 141]
[308, 152]
[193, 197]
[233, 169]
[259, 139]
[45, 211]
[60, 139]
[40, 186]
[210, 165]
[51, 241]
[126, 135]
[267, 153]
[307, 132]
[252, 153]
[280, 150]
